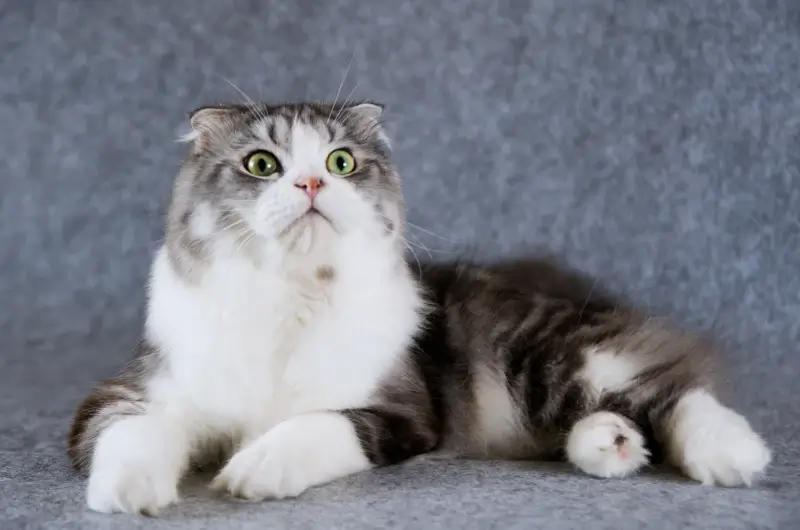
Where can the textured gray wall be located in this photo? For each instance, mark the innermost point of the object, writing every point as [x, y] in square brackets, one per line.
[653, 144]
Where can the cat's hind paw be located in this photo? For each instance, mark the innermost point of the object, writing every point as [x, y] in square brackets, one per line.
[713, 444]
[606, 445]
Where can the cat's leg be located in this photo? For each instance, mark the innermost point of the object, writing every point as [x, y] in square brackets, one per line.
[298, 453]
[711, 443]
[137, 464]
[318, 447]
[314, 448]
[133, 453]
[605, 444]
[667, 376]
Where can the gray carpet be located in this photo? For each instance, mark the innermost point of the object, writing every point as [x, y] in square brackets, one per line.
[652, 144]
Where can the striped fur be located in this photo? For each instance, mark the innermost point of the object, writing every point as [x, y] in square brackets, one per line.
[521, 359]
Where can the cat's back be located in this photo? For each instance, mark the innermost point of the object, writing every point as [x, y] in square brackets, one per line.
[543, 276]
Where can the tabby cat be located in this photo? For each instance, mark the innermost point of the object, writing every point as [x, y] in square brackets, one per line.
[289, 341]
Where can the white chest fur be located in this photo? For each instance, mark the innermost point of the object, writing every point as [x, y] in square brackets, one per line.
[248, 348]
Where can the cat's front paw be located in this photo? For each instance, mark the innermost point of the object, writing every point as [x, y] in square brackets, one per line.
[606, 445]
[299, 453]
[130, 475]
[130, 487]
[713, 444]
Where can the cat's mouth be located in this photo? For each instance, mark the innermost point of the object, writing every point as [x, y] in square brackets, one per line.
[313, 212]
[310, 217]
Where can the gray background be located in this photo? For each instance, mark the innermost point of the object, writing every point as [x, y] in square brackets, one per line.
[652, 144]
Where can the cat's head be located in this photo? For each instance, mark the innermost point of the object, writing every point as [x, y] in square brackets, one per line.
[267, 174]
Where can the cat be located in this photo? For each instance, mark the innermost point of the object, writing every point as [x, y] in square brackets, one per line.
[288, 341]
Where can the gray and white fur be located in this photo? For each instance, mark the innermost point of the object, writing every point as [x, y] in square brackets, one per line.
[288, 340]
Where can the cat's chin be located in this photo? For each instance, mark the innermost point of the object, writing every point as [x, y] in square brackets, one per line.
[315, 220]
[310, 219]
[308, 231]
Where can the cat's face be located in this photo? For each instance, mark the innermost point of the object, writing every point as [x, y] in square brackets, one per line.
[271, 174]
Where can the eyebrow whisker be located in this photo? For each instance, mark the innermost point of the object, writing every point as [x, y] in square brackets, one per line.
[338, 92]
[344, 105]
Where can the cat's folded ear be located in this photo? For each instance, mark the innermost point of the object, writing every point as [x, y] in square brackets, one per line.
[368, 115]
[208, 121]
[367, 111]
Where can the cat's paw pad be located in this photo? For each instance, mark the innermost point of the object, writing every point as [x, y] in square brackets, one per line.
[606, 445]
[720, 448]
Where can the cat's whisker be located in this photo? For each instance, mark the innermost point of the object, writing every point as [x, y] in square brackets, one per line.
[419, 244]
[250, 234]
[417, 227]
[339, 91]
[419, 265]
[344, 105]
[381, 190]
[232, 225]
[586, 302]
[248, 100]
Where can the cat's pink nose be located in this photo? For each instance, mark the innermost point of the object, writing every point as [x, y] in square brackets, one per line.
[310, 185]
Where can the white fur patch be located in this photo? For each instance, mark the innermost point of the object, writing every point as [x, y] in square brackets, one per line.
[608, 370]
[251, 347]
[258, 343]
[604, 445]
[302, 452]
[713, 444]
[255, 343]
[136, 466]
[203, 221]
[498, 429]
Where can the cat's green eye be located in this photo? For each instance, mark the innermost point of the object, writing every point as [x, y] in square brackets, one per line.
[261, 164]
[341, 162]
